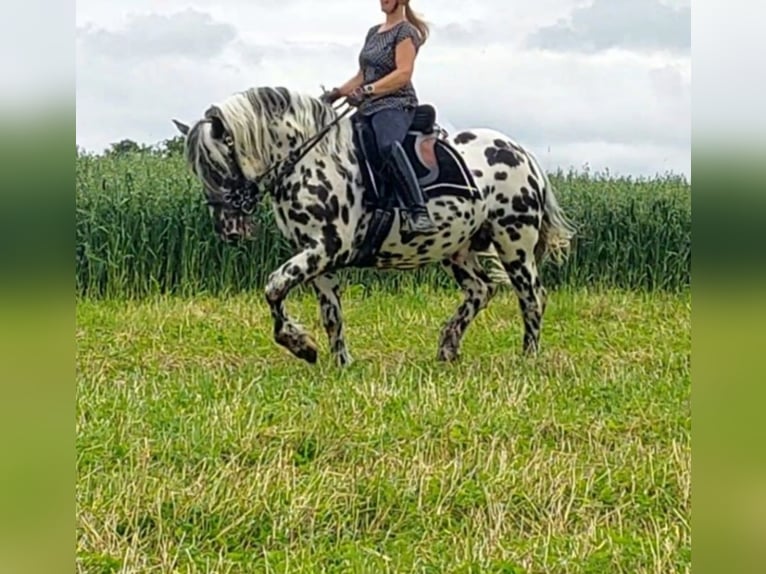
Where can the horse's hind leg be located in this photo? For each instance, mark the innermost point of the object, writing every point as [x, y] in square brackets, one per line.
[327, 290]
[477, 288]
[516, 251]
[303, 267]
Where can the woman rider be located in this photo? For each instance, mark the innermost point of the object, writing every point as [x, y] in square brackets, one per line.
[386, 63]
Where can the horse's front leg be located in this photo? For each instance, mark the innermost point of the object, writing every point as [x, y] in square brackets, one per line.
[301, 268]
[327, 290]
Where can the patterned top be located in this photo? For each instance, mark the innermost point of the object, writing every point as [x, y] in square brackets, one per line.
[377, 59]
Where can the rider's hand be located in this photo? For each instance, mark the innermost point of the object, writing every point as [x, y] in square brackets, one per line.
[359, 94]
[331, 96]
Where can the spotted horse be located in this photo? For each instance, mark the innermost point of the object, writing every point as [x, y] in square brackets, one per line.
[497, 218]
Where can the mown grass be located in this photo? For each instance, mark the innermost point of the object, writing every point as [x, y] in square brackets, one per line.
[142, 229]
[204, 447]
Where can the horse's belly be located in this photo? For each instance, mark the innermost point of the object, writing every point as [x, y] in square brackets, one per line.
[457, 223]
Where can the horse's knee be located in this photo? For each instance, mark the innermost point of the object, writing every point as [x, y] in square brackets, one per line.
[270, 295]
[276, 285]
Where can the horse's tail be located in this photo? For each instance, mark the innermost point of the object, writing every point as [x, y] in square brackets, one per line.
[556, 229]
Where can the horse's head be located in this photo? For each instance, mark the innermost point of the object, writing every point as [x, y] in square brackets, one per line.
[242, 143]
[211, 155]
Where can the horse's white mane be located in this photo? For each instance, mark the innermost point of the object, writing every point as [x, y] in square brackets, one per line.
[255, 118]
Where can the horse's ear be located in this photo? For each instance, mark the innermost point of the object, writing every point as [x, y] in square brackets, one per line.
[182, 127]
[218, 127]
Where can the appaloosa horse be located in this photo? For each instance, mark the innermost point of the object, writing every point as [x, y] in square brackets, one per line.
[488, 196]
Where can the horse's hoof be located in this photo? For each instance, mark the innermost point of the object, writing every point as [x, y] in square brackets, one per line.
[446, 355]
[308, 353]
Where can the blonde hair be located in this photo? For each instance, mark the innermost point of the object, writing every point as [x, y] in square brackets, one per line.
[415, 20]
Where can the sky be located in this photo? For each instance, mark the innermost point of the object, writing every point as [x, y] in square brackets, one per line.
[597, 84]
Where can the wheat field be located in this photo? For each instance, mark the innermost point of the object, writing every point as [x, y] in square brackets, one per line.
[142, 229]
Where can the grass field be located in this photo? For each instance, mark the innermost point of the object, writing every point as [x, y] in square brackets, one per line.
[204, 447]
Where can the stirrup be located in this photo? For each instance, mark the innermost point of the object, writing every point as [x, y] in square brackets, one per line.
[418, 220]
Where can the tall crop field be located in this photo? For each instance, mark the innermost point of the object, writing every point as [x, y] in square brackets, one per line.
[142, 229]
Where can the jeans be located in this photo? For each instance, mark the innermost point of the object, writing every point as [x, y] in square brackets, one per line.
[389, 126]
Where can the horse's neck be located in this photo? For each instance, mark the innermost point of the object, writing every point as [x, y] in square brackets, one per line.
[319, 163]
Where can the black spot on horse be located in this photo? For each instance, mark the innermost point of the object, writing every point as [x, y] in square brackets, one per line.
[325, 212]
[477, 172]
[321, 191]
[464, 137]
[344, 173]
[298, 217]
[530, 201]
[513, 233]
[519, 204]
[323, 179]
[293, 270]
[501, 143]
[334, 208]
[331, 239]
[312, 261]
[292, 191]
[533, 182]
[503, 156]
[461, 275]
[481, 240]
[501, 175]
[423, 248]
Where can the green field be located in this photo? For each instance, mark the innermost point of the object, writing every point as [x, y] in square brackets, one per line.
[204, 447]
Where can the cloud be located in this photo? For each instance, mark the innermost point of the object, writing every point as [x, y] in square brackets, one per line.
[626, 109]
[543, 99]
[133, 80]
[187, 34]
[631, 24]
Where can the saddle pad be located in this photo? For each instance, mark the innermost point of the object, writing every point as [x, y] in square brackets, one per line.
[440, 169]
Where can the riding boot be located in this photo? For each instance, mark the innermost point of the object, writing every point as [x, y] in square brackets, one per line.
[409, 188]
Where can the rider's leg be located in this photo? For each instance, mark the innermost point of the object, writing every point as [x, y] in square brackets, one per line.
[390, 127]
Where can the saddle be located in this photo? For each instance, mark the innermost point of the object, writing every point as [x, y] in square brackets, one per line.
[440, 170]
